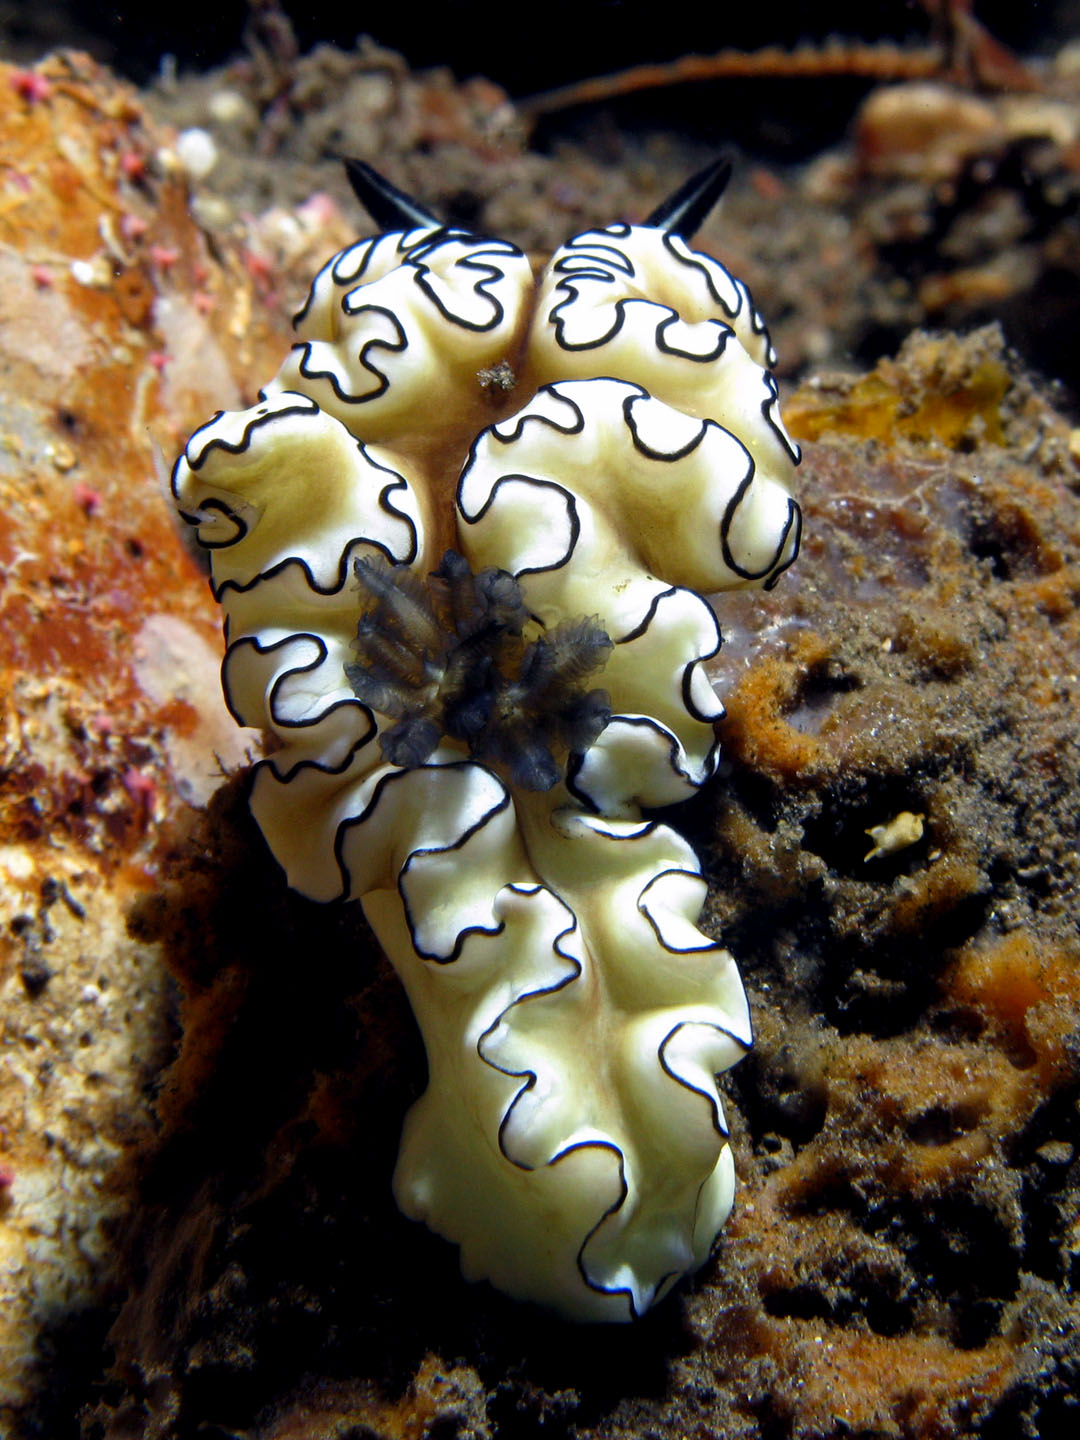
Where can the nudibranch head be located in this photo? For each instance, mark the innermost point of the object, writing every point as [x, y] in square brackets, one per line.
[422, 574]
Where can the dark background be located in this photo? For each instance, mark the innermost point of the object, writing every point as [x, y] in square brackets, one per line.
[512, 45]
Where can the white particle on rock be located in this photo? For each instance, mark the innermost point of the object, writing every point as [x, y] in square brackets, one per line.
[196, 151]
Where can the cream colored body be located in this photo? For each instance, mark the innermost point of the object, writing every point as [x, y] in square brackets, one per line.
[571, 1140]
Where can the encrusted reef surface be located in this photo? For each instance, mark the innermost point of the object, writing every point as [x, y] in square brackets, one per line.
[206, 1075]
[117, 330]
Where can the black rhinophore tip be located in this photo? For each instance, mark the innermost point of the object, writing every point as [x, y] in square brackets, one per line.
[685, 211]
[389, 207]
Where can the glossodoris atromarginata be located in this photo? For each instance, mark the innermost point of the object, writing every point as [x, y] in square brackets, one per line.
[609, 436]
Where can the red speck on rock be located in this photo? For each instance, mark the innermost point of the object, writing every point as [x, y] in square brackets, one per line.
[163, 256]
[140, 787]
[133, 164]
[132, 227]
[89, 500]
[31, 86]
[259, 267]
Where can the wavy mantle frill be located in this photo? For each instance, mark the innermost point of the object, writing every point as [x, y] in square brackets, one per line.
[572, 1139]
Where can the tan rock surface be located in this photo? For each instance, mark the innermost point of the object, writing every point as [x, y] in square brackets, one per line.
[111, 712]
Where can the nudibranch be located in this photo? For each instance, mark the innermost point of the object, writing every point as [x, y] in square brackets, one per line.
[571, 1140]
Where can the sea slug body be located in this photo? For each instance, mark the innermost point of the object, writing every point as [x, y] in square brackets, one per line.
[571, 1140]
